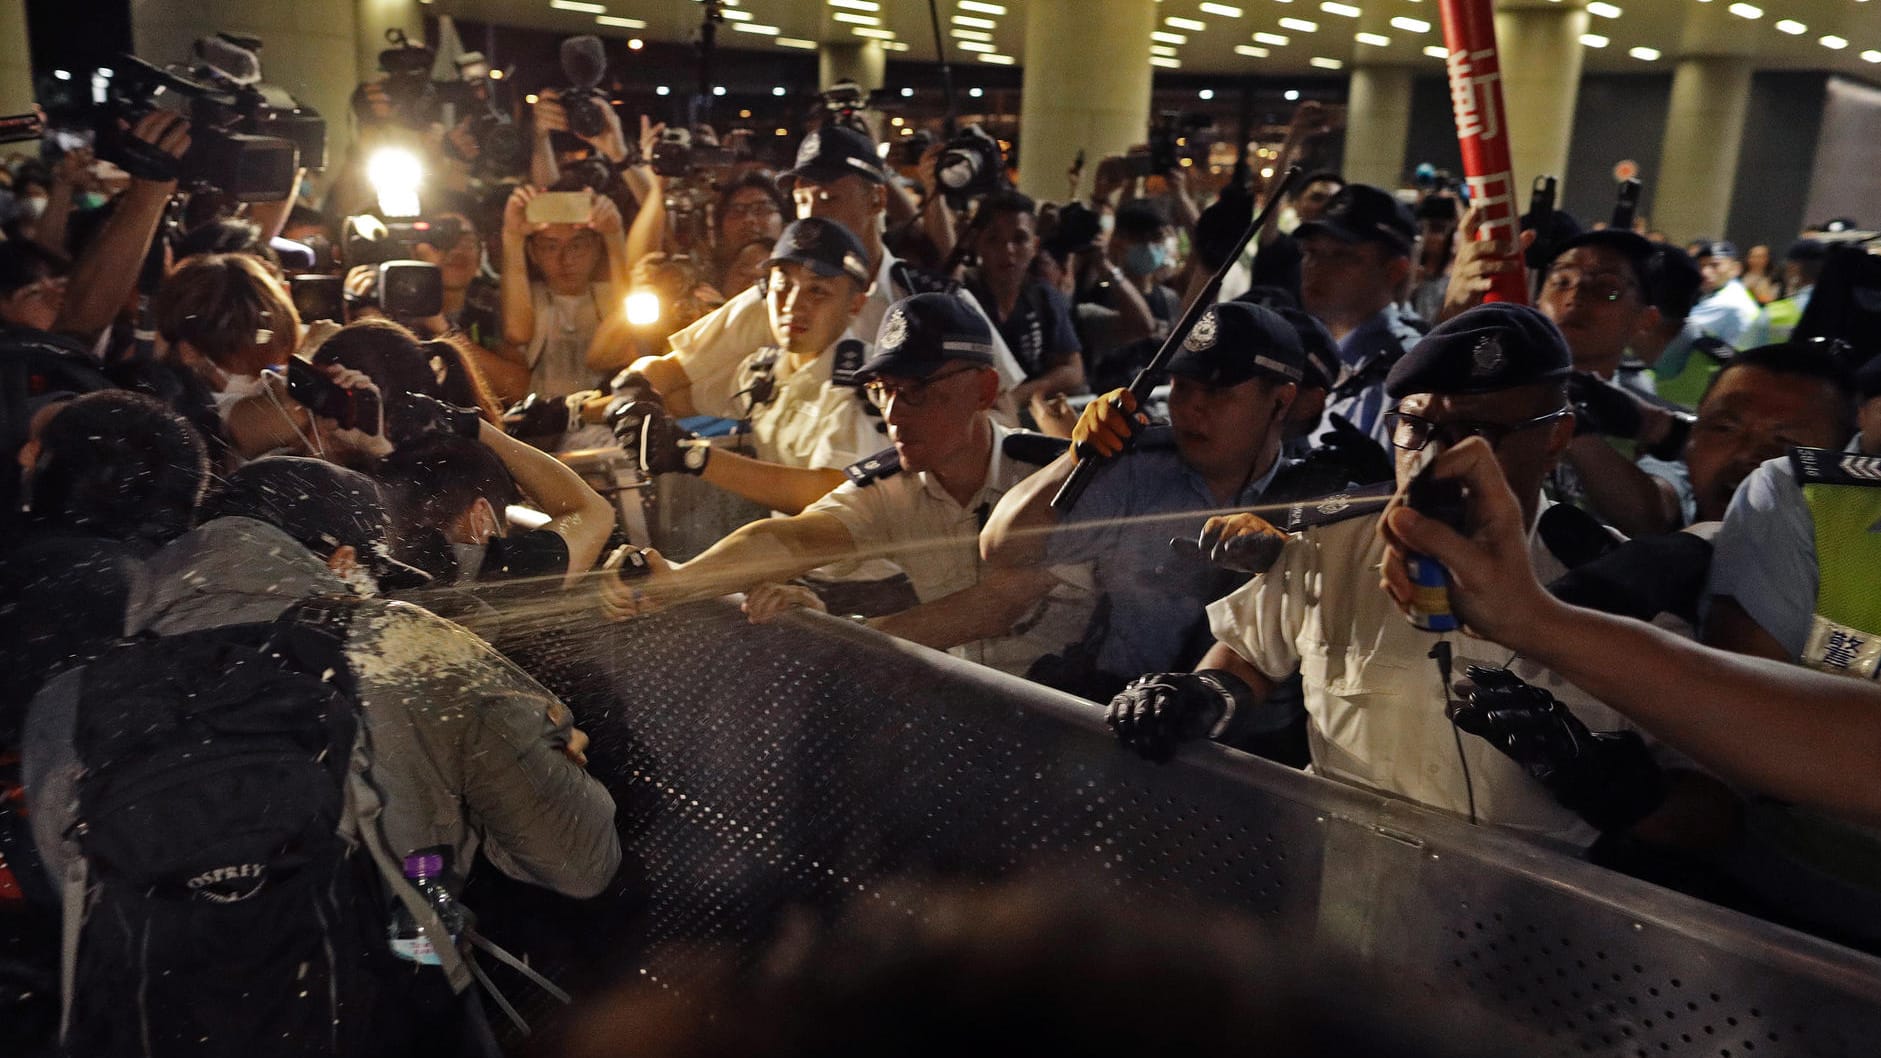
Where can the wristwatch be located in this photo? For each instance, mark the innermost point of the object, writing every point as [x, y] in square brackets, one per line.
[695, 457]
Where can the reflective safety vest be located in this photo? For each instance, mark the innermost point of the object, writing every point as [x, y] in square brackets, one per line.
[1843, 490]
[1781, 318]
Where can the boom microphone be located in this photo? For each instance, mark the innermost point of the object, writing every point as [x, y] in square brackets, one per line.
[235, 63]
[584, 61]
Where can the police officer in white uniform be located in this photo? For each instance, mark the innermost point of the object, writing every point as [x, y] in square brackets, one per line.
[1375, 698]
[921, 503]
[837, 177]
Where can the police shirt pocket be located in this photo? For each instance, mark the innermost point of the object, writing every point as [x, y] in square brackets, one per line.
[1354, 700]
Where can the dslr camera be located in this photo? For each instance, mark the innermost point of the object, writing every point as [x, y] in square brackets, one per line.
[584, 63]
[677, 156]
[418, 102]
[970, 165]
[402, 288]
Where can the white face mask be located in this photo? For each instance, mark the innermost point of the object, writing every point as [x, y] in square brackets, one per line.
[469, 561]
[237, 388]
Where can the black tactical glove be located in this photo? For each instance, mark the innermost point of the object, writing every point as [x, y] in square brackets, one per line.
[1601, 407]
[1364, 460]
[630, 386]
[1608, 779]
[1157, 712]
[1244, 543]
[655, 440]
[538, 416]
[442, 418]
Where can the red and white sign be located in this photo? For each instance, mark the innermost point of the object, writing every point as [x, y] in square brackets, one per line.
[1469, 32]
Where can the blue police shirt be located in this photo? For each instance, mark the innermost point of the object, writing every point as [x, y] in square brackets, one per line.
[1369, 351]
[1156, 596]
[1765, 555]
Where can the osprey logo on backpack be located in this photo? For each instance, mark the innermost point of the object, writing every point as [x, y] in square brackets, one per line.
[228, 885]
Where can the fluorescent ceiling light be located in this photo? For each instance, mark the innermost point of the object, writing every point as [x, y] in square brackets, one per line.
[620, 23]
[1410, 25]
[895, 45]
[795, 42]
[856, 5]
[1185, 23]
[1251, 51]
[1792, 27]
[971, 34]
[1274, 39]
[974, 45]
[1833, 42]
[1167, 64]
[984, 9]
[1644, 54]
[1746, 10]
[1299, 24]
[1376, 40]
[1221, 9]
[1340, 9]
[1871, 56]
[1436, 51]
[855, 19]
[1324, 63]
[737, 16]
[976, 23]
[874, 34]
[1163, 50]
[1168, 38]
[1594, 40]
[577, 5]
[1604, 10]
[753, 27]
[997, 60]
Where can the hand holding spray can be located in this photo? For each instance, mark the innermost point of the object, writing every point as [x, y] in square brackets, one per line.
[1441, 499]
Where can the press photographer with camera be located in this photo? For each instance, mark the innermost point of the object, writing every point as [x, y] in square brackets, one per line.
[746, 210]
[1033, 318]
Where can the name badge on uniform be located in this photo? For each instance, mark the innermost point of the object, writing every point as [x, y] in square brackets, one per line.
[1842, 650]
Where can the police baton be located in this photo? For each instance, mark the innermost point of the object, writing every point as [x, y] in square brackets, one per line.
[1088, 459]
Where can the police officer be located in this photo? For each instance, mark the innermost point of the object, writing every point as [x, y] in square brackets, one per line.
[1802, 266]
[1726, 309]
[1355, 257]
[803, 408]
[1232, 381]
[837, 177]
[1375, 698]
[920, 503]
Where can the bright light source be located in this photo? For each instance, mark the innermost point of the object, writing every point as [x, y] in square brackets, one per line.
[737, 16]
[1292, 95]
[1325, 63]
[874, 34]
[854, 19]
[63, 75]
[753, 27]
[635, 44]
[976, 23]
[1595, 40]
[1267, 173]
[395, 174]
[1251, 51]
[1163, 50]
[1206, 93]
[894, 45]
[1644, 54]
[984, 9]
[780, 90]
[530, 99]
[907, 93]
[856, 5]
[718, 89]
[106, 71]
[1871, 56]
[971, 34]
[1746, 10]
[1604, 10]
[1376, 40]
[1347, 10]
[1833, 42]
[1299, 24]
[795, 42]
[897, 122]
[578, 5]
[1167, 64]
[1792, 27]
[976, 92]
[906, 131]
[1168, 38]
[618, 22]
[1223, 10]
[1436, 51]
[1275, 39]
[1185, 23]
[1410, 25]
[662, 90]
[976, 45]
[643, 308]
[997, 60]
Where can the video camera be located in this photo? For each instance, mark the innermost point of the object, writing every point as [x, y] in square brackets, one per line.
[418, 102]
[845, 103]
[247, 139]
[403, 288]
[676, 155]
[584, 63]
[970, 165]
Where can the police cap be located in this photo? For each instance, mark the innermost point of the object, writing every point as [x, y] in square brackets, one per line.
[829, 153]
[824, 247]
[1234, 341]
[1491, 347]
[922, 333]
[1363, 213]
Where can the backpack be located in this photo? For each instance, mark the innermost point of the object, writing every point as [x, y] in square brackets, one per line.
[224, 912]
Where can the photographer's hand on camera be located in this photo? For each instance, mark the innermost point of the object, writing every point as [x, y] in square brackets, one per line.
[1107, 426]
[1112, 175]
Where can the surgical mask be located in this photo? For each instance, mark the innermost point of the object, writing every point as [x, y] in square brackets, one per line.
[238, 389]
[469, 560]
[1145, 258]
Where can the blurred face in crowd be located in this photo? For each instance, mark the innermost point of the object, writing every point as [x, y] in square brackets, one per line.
[567, 254]
[36, 304]
[745, 267]
[1757, 260]
[459, 261]
[1344, 279]
[1527, 450]
[1310, 203]
[1008, 244]
[751, 214]
[808, 311]
[1593, 295]
[1717, 271]
[1751, 415]
[850, 201]
[932, 421]
[1222, 430]
[1140, 254]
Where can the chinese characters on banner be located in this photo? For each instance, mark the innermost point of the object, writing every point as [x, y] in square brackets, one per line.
[1469, 33]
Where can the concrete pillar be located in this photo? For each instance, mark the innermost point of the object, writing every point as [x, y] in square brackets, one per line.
[1086, 87]
[1540, 46]
[861, 61]
[16, 64]
[1704, 129]
[1377, 123]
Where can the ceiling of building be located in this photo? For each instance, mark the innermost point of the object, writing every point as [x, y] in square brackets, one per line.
[1239, 37]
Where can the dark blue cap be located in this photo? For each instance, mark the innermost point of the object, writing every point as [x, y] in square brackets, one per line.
[1491, 347]
[1322, 353]
[832, 152]
[1234, 341]
[824, 247]
[1363, 213]
[922, 333]
[1807, 250]
[1718, 248]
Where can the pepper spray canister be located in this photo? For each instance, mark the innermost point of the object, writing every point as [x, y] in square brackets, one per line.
[1441, 499]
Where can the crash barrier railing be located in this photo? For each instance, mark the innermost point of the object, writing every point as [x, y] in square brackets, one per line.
[806, 762]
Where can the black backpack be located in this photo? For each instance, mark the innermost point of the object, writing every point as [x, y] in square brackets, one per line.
[225, 914]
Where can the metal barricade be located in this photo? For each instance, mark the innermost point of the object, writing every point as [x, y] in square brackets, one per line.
[807, 762]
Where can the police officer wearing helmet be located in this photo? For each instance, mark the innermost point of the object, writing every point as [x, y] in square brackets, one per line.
[838, 177]
[1375, 699]
[1232, 381]
[919, 503]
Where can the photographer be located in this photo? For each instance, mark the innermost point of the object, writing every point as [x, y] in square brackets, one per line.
[747, 209]
[561, 282]
[608, 145]
[1033, 318]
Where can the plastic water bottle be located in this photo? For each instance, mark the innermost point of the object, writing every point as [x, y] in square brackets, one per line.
[425, 872]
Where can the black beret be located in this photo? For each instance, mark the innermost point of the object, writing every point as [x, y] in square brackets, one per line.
[1491, 347]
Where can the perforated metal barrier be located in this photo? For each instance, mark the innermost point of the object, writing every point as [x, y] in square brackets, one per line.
[806, 762]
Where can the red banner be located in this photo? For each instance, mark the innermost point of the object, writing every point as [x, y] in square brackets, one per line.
[1469, 33]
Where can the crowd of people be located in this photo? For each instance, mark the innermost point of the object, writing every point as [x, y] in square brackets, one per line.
[262, 539]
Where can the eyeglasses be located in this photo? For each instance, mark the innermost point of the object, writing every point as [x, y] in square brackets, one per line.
[765, 208]
[1599, 287]
[1413, 432]
[912, 393]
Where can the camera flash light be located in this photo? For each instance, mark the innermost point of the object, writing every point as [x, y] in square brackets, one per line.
[643, 308]
[395, 175]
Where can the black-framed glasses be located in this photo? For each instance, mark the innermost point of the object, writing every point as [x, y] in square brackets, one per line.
[1413, 432]
[1597, 286]
[911, 392]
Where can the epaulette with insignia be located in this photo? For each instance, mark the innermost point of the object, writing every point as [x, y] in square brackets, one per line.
[851, 354]
[1824, 466]
[1038, 449]
[1573, 536]
[883, 464]
[1338, 507]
